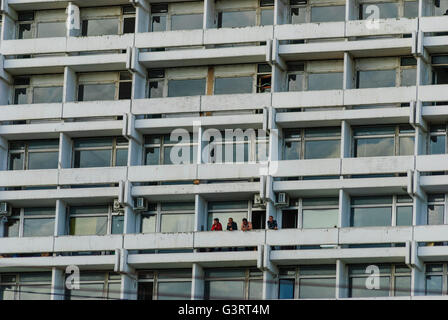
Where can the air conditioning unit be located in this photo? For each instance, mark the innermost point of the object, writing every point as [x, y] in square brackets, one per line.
[118, 208]
[282, 200]
[258, 202]
[140, 204]
[5, 209]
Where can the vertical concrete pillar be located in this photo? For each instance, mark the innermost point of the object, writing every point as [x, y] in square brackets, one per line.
[60, 222]
[349, 72]
[57, 284]
[418, 281]
[70, 81]
[281, 12]
[278, 78]
[420, 207]
[270, 286]
[142, 16]
[200, 214]
[210, 16]
[5, 85]
[9, 22]
[197, 282]
[342, 280]
[346, 139]
[344, 209]
[3, 154]
[426, 8]
[65, 151]
[73, 20]
[129, 287]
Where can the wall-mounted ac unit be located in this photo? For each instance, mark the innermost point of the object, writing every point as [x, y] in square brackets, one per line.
[118, 209]
[282, 200]
[140, 204]
[258, 202]
[5, 209]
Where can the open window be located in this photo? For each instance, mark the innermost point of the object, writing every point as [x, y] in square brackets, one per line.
[38, 89]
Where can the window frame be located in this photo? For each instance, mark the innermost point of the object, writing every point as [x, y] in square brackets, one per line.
[106, 16]
[100, 78]
[26, 152]
[114, 147]
[21, 217]
[110, 214]
[106, 282]
[18, 283]
[155, 210]
[154, 277]
[162, 145]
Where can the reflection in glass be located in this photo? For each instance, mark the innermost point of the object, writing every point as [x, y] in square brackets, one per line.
[404, 216]
[435, 214]
[376, 79]
[186, 21]
[177, 223]
[51, 29]
[317, 288]
[189, 87]
[358, 288]
[227, 290]
[374, 147]
[101, 27]
[174, 290]
[96, 92]
[233, 85]
[320, 218]
[371, 217]
[149, 223]
[92, 158]
[406, 146]
[42, 160]
[433, 286]
[38, 227]
[47, 95]
[81, 226]
[235, 19]
[325, 81]
[328, 14]
[437, 144]
[322, 149]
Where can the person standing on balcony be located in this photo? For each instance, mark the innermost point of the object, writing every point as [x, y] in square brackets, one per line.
[217, 226]
[272, 224]
[246, 225]
[231, 225]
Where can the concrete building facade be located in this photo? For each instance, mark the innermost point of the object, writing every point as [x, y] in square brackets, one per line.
[344, 111]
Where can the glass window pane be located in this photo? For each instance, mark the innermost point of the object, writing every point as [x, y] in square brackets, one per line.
[233, 85]
[152, 156]
[88, 291]
[114, 291]
[295, 82]
[406, 146]
[325, 81]
[292, 150]
[38, 227]
[102, 27]
[158, 23]
[322, 149]
[386, 10]
[370, 217]
[149, 224]
[267, 17]
[320, 218]
[174, 290]
[93, 142]
[7, 292]
[97, 92]
[433, 286]
[237, 19]
[404, 216]
[177, 206]
[16, 161]
[437, 144]
[20, 96]
[374, 147]
[177, 223]
[402, 286]
[307, 202]
[228, 205]
[42, 292]
[156, 89]
[122, 158]
[435, 214]
[25, 31]
[42, 160]
[358, 288]
[190, 87]
[227, 290]
[92, 158]
[372, 200]
[376, 79]
[411, 9]
[51, 29]
[317, 288]
[255, 289]
[12, 228]
[47, 95]
[286, 289]
[408, 77]
[81, 226]
[328, 14]
[186, 21]
[117, 224]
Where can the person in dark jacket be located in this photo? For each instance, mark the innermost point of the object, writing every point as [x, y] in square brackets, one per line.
[231, 225]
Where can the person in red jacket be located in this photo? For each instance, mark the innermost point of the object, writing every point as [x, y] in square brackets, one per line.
[216, 225]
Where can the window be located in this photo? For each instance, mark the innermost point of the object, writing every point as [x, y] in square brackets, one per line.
[232, 15]
[312, 143]
[436, 209]
[327, 13]
[315, 75]
[319, 212]
[104, 86]
[94, 220]
[383, 141]
[30, 222]
[173, 217]
[301, 11]
[386, 10]
[224, 210]
[394, 280]
[186, 87]
[94, 285]
[41, 24]
[176, 16]
[158, 150]
[307, 282]
[107, 21]
[100, 152]
[436, 279]
[233, 284]
[395, 72]
[25, 286]
[164, 285]
[233, 85]
[33, 154]
[381, 211]
[38, 89]
[236, 146]
[437, 139]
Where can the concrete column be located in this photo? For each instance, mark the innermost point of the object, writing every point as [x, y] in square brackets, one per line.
[351, 10]
[210, 16]
[70, 83]
[270, 286]
[424, 73]
[73, 20]
[57, 284]
[201, 214]
[3, 154]
[65, 151]
[3, 221]
[426, 8]
[142, 17]
[129, 287]
[9, 22]
[5, 86]
[138, 86]
[346, 140]
[281, 15]
[197, 282]
[342, 279]
[349, 72]
[418, 281]
[60, 222]
[420, 208]
[344, 209]
[278, 79]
